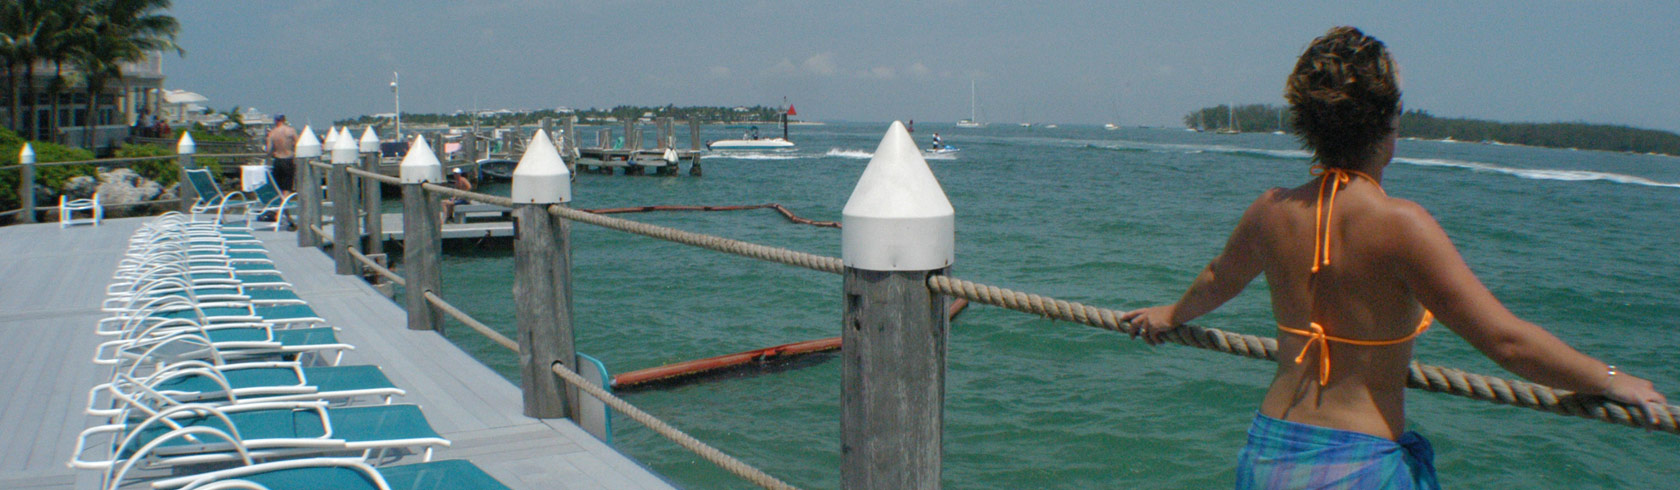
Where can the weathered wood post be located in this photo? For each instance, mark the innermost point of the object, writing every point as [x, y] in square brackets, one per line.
[898, 230]
[308, 187]
[26, 182]
[347, 228]
[568, 148]
[542, 264]
[694, 144]
[372, 222]
[422, 242]
[183, 186]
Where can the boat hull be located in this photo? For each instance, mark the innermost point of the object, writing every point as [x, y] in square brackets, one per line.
[758, 144]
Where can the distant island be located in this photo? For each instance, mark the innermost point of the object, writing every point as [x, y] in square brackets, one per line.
[508, 118]
[1420, 124]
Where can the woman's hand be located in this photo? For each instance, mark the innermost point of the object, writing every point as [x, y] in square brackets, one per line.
[1636, 391]
[1151, 323]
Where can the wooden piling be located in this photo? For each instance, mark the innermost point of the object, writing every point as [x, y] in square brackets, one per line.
[372, 201]
[694, 144]
[346, 224]
[543, 289]
[308, 185]
[892, 380]
[422, 251]
[568, 147]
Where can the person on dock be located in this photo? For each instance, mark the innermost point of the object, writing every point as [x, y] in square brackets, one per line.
[458, 180]
[1354, 276]
[282, 142]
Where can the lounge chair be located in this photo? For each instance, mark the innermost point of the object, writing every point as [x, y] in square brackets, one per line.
[181, 340]
[211, 197]
[257, 430]
[341, 473]
[230, 384]
[67, 209]
[269, 199]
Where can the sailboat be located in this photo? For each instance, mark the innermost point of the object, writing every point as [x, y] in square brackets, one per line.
[751, 140]
[972, 121]
[1231, 125]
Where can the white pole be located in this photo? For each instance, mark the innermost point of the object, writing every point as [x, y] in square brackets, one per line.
[397, 94]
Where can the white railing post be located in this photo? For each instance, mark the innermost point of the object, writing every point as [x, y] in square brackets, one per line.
[185, 149]
[26, 182]
[898, 230]
[372, 222]
[347, 231]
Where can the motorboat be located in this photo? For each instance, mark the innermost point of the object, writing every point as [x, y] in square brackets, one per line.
[492, 169]
[751, 140]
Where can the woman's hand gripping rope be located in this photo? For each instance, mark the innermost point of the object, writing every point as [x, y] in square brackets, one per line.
[1152, 324]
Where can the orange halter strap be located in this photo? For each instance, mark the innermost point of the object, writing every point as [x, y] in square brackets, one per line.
[1335, 178]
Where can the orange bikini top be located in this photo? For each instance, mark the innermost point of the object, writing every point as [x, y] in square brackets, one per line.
[1335, 178]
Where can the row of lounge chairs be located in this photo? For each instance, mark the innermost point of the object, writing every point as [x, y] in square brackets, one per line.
[222, 377]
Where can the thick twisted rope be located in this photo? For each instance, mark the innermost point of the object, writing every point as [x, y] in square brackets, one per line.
[1423, 376]
[375, 176]
[471, 322]
[369, 264]
[751, 250]
[478, 197]
[717, 457]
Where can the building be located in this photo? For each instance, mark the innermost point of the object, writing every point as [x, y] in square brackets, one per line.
[123, 103]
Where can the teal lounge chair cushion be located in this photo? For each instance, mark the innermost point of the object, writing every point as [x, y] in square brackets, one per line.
[287, 337]
[325, 379]
[453, 474]
[284, 312]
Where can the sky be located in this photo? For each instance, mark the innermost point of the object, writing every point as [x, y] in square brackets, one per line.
[1068, 62]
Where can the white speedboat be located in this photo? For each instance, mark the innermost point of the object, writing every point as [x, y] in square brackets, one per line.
[944, 150]
[751, 144]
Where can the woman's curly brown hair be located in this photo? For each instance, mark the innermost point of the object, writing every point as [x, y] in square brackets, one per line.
[1344, 94]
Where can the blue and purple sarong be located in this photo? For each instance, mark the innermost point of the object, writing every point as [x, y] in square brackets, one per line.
[1284, 454]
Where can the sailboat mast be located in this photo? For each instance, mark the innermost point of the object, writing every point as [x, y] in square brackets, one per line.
[971, 101]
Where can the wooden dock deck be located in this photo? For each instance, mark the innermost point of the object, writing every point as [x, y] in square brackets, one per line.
[52, 281]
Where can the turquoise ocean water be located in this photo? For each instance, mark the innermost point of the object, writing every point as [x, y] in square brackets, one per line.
[1583, 243]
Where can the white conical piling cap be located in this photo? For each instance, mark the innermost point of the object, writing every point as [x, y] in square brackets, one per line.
[541, 177]
[332, 139]
[344, 149]
[898, 218]
[186, 146]
[307, 145]
[369, 142]
[27, 155]
[420, 165]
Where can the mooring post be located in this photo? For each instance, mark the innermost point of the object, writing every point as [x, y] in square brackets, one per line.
[694, 144]
[898, 230]
[26, 182]
[568, 140]
[185, 149]
[372, 221]
[542, 286]
[308, 187]
[347, 229]
[422, 242]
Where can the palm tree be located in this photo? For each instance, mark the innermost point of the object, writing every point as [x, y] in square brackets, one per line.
[23, 22]
[117, 32]
[58, 44]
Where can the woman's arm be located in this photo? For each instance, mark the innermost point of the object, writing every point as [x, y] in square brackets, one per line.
[1439, 277]
[1223, 278]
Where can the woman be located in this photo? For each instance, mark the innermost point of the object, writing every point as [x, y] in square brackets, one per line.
[1354, 277]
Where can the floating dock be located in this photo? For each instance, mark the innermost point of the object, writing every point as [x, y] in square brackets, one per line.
[55, 279]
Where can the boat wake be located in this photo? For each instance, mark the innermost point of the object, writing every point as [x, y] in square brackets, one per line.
[847, 153]
[1539, 174]
[736, 155]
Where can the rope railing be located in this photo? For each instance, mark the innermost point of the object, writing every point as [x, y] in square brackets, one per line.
[375, 176]
[114, 161]
[369, 264]
[786, 213]
[1422, 376]
[745, 249]
[470, 322]
[688, 442]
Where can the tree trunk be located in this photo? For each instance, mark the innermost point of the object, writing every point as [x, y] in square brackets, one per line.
[34, 102]
[57, 87]
[87, 119]
[12, 89]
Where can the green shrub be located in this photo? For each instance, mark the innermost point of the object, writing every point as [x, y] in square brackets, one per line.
[53, 177]
[165, 171]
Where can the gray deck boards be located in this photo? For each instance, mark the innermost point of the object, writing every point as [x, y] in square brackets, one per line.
[52, 281]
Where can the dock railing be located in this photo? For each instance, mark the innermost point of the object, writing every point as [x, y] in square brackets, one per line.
[28, 173]
[894, 441]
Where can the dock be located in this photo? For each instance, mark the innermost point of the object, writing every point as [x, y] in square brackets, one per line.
[55, 279]
[392, 229]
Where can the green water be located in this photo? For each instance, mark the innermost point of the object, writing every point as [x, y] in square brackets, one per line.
[1582, 243]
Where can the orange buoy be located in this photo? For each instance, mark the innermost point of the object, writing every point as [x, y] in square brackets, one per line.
[673, 373]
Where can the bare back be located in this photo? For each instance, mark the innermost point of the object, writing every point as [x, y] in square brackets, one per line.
[1360, 295]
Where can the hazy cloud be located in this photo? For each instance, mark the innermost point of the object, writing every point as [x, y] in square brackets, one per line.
[879, 73]
[820, 64]
[718, 71]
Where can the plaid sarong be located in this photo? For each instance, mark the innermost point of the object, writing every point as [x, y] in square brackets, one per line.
[1284, 454]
